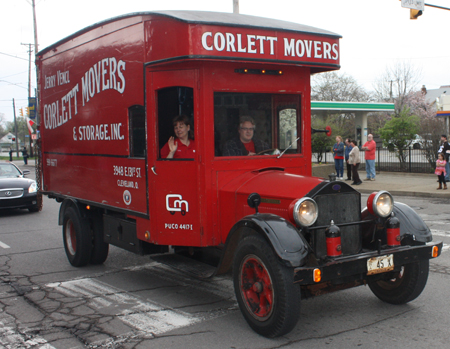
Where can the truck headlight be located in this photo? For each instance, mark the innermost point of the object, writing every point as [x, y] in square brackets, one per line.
[304, 211]
[380, 203]
[32, 188]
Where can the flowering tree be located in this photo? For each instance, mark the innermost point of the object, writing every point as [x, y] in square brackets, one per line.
[398, 132]
[430, 126]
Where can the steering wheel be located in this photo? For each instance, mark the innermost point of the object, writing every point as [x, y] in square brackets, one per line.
[266, 151]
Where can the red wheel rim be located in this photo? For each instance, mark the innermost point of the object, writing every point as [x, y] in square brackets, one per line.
[71, 238]
[256, 288]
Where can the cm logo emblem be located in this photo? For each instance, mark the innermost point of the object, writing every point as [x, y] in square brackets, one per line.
[175, 203]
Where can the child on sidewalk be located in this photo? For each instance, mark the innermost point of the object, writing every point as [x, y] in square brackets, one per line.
[440, 170]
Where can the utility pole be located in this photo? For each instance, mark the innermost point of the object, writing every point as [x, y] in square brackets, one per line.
[15, 128]
[236, 6]
[29, 87]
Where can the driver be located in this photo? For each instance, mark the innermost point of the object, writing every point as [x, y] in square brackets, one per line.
[245, 144]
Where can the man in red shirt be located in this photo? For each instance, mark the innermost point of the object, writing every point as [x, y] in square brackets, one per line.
[245, 144]
[370, 147]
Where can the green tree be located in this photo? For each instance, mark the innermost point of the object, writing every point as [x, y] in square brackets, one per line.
[320, 142]
[22, 128]
[398, 133]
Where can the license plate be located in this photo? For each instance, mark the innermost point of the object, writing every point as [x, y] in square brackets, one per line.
[381, 264]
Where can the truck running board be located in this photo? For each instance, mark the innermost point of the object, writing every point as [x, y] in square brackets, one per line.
[186, 264]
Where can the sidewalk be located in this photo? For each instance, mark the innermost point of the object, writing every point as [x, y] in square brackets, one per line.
[406, 184]
[396, 183]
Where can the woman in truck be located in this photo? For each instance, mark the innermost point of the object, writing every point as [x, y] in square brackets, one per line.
[183, 145]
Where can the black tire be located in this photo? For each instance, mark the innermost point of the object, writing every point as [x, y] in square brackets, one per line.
[100, 248]
[406, 287]
[34, 208]
[77, 238]
[277, 307]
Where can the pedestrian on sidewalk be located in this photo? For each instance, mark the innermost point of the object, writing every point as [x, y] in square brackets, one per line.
[440, 170]
[338, 151]
[25, 155]
[354, 161]
[369, 147]
[348, 149]
[10, 154]
[445, 150]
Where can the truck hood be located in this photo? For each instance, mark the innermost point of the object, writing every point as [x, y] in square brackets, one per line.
[272, 184]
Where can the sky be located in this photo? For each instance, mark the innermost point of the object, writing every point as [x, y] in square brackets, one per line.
[375, 34]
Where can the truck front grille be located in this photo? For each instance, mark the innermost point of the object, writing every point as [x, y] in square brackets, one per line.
[341, 208]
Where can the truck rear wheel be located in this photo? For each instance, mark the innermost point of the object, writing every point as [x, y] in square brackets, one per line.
[77, 238]
[407, 286]
[265, 290]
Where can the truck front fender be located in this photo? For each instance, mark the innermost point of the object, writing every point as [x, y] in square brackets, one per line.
[411, 225]
[287, 242]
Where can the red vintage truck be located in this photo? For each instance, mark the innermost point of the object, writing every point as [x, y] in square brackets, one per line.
[243, 198]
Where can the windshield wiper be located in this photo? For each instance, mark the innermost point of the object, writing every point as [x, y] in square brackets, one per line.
[284, 151]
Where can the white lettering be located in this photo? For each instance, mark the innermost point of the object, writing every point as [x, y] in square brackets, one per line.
[204, 42]
[230, 42]
[251, 44]
[317, 49]
[219, 37]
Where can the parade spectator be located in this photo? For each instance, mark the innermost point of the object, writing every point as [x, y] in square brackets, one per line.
[440, 170]
[354, 161]
[25, 155]
[338, 151]
[370, 147]
[348, 149]
[445, 150]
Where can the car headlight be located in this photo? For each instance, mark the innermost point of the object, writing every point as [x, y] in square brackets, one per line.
[304, 211]
[380, 203]
[32, 188]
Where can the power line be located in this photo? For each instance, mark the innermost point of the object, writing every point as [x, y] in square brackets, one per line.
[1, 53]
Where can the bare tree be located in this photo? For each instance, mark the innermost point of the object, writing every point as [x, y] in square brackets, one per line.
[399, 80]
[335, 86]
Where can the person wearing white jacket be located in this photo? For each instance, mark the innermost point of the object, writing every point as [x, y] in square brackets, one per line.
[354, 160]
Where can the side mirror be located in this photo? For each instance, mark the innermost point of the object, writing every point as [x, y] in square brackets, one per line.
[26, 172]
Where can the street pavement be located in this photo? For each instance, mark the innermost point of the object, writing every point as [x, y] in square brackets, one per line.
[396, 183]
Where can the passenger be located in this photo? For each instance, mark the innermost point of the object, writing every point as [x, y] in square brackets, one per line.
[245, 144]
[183, 146]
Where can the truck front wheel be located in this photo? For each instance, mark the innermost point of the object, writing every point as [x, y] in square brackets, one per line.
[265, 290]
[77, 238]
[406, 286]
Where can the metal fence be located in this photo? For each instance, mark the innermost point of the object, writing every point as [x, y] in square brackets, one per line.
[415, 161]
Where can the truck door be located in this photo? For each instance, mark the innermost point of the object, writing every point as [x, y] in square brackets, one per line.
[174, 194]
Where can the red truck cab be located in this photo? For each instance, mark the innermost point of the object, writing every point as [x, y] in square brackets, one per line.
[108, 97]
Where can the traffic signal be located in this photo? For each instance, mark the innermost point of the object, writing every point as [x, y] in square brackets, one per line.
[21, 111]
[413, 14]
[27, 111]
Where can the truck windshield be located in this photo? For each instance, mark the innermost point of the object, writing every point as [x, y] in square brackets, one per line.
[255, 123]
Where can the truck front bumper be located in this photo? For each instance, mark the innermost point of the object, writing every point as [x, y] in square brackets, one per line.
[355, 266]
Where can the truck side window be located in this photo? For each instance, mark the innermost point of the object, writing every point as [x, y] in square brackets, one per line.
[173, 101]
[136, 119]
[276, 120]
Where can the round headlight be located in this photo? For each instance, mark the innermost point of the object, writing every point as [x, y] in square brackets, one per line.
[32, 188]
[305, 212]
[380, 203]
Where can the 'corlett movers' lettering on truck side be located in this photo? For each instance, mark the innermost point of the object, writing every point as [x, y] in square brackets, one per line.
[105, 75]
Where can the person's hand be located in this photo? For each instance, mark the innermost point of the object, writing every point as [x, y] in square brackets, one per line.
[250, 153]
[172, 147]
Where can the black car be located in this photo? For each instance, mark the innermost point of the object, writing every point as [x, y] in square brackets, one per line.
[16, 191]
